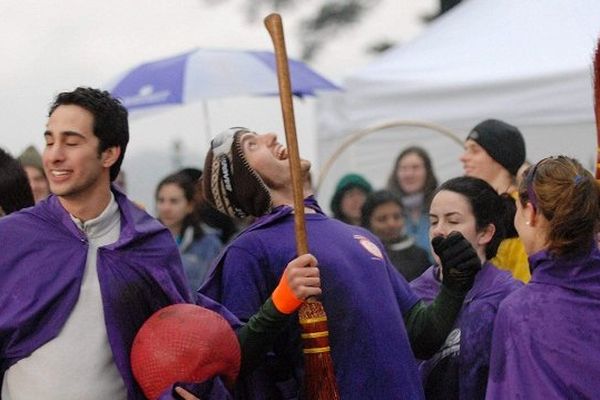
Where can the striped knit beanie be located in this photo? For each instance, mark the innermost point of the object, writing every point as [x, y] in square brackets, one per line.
[229, 183]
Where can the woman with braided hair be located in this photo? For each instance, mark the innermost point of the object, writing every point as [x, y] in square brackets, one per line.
[547, 334]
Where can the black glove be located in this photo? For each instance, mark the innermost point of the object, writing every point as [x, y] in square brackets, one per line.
[460, 262]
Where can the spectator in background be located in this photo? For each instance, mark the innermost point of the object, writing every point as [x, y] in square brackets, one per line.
[349, 196]
[175, 204]
[547, 334]
[494, 152]
[15, 192]
[382, 215]
[414, 181]
[459, 369]
[31, 160]
[211, 219]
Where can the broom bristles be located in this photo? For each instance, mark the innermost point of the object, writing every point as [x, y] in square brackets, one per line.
[597, 105]
[319, 379]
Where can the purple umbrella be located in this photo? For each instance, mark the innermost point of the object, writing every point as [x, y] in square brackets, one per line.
[203, 74]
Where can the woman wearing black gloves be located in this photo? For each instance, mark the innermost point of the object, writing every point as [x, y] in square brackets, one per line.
[468, 220]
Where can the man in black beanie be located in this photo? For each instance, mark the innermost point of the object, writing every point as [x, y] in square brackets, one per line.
[494, 152]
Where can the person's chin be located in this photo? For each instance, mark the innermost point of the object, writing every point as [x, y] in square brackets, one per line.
[59, 190]
[389, 239]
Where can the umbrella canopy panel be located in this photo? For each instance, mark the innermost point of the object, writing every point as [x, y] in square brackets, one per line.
[203, 74]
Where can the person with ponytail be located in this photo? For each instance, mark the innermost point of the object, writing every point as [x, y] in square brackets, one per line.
[471, 207]
[547, 334]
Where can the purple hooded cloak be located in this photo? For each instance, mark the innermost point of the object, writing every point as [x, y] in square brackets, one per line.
[42, 262]
[460, 368]
[363, 294]
[546, 341]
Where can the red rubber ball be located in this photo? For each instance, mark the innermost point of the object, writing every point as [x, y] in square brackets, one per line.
[183, 343]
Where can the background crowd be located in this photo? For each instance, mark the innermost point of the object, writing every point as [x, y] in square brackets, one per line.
[493, 273]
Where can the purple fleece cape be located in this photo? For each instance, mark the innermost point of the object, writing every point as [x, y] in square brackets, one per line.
[546, 342]
[363, 294]
[474, 327]
[41, 267]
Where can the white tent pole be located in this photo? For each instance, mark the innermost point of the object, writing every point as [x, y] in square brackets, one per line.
[207, 128]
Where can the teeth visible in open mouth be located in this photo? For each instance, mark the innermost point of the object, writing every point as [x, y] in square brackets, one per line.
[59, 173]
[282, 153]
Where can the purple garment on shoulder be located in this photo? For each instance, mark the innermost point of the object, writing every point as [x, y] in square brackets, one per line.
[546, 341]
[466, 352]
[42, 263]
[364, 296]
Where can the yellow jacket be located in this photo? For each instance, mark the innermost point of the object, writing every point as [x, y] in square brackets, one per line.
[512, 257]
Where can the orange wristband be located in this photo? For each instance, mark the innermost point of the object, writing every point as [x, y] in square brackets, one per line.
[283, 298]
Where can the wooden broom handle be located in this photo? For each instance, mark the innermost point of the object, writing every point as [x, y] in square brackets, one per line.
[596, 79]
[320, 381]
[275, 27]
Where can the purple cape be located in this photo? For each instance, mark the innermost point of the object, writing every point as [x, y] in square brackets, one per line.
[363, 294]
[546, 340]
[468, 346]
[42, 262]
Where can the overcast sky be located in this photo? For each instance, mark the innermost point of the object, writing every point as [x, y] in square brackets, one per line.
[52, 46]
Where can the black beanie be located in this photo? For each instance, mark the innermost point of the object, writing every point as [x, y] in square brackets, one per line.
[229, 183]
[502, 141]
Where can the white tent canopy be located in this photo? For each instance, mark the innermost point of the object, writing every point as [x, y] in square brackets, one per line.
[525, 62]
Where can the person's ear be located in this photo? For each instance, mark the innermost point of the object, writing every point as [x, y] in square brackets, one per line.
[530, 214]
[486, 234]
[110, 156]
[190, 207]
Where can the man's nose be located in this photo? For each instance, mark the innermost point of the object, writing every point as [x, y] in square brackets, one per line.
[54, 153]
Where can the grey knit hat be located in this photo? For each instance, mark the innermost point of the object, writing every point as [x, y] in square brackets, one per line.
[229, 183]
[502, 141]
[31, 158]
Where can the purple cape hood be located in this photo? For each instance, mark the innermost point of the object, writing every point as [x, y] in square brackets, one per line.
[546, 339]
